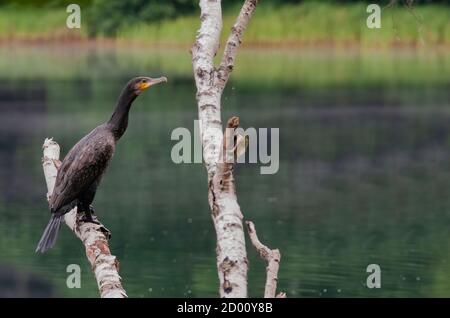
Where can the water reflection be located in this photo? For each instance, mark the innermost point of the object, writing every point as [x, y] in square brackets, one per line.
[364, 175]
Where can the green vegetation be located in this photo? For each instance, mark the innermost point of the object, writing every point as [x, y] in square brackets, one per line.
[311, 23]
[31, 23]
[106, 16]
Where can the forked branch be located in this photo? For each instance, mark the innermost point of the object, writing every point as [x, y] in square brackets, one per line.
[272, 257]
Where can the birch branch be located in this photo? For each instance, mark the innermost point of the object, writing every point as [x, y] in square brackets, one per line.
[94, 237]
[232, 264]
[234, 41]
[208, 97]
[273, 262]
[232, 260]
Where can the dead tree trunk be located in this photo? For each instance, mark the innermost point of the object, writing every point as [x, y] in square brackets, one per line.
[94, 237]
[232, 263]
[272, 257]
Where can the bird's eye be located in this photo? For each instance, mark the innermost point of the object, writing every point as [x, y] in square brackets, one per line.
[144, 81]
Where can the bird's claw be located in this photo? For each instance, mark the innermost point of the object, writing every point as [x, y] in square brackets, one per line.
[90, 219]
[93, 219]
[106, 232]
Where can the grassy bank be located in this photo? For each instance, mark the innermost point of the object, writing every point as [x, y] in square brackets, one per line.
[314, 23]
[27, 23]
[289, 25]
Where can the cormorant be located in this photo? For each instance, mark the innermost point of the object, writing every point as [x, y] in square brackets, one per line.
[82, 169]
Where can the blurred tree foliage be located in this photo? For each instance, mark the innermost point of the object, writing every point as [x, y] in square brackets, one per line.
[46, 3]
[107, 16]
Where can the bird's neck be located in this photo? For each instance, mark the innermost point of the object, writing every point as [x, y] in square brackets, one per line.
[119, 119]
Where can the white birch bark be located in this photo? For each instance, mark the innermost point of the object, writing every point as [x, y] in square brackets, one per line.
[94, 237]
[232, 263]
[272, 257]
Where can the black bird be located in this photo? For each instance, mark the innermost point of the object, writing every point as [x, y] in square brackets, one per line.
[83, 167]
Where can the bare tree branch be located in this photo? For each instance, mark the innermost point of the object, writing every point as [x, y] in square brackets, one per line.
[232, 264]
[203, 52]
[234, 41]
[273, 262]
[94, 236]
[221, 149]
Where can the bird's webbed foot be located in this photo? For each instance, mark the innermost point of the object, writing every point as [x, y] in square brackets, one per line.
[89, 217]
[88, 211]
[106, 232]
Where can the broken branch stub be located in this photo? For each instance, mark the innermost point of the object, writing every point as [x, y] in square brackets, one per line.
[272, 257]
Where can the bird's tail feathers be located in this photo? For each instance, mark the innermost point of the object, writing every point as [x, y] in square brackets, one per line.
[50, 234]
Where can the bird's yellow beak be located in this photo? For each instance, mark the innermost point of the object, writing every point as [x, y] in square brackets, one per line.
[151, 82]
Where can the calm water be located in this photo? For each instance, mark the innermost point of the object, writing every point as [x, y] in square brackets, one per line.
[364, 174]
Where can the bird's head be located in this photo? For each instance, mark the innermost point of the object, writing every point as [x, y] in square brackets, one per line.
[139, 84]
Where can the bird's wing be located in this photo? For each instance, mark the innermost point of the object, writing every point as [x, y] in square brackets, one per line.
[82, 166]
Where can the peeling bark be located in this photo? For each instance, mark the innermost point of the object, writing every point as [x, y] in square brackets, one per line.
[232, 264]
[94, 236]
[273, 262]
